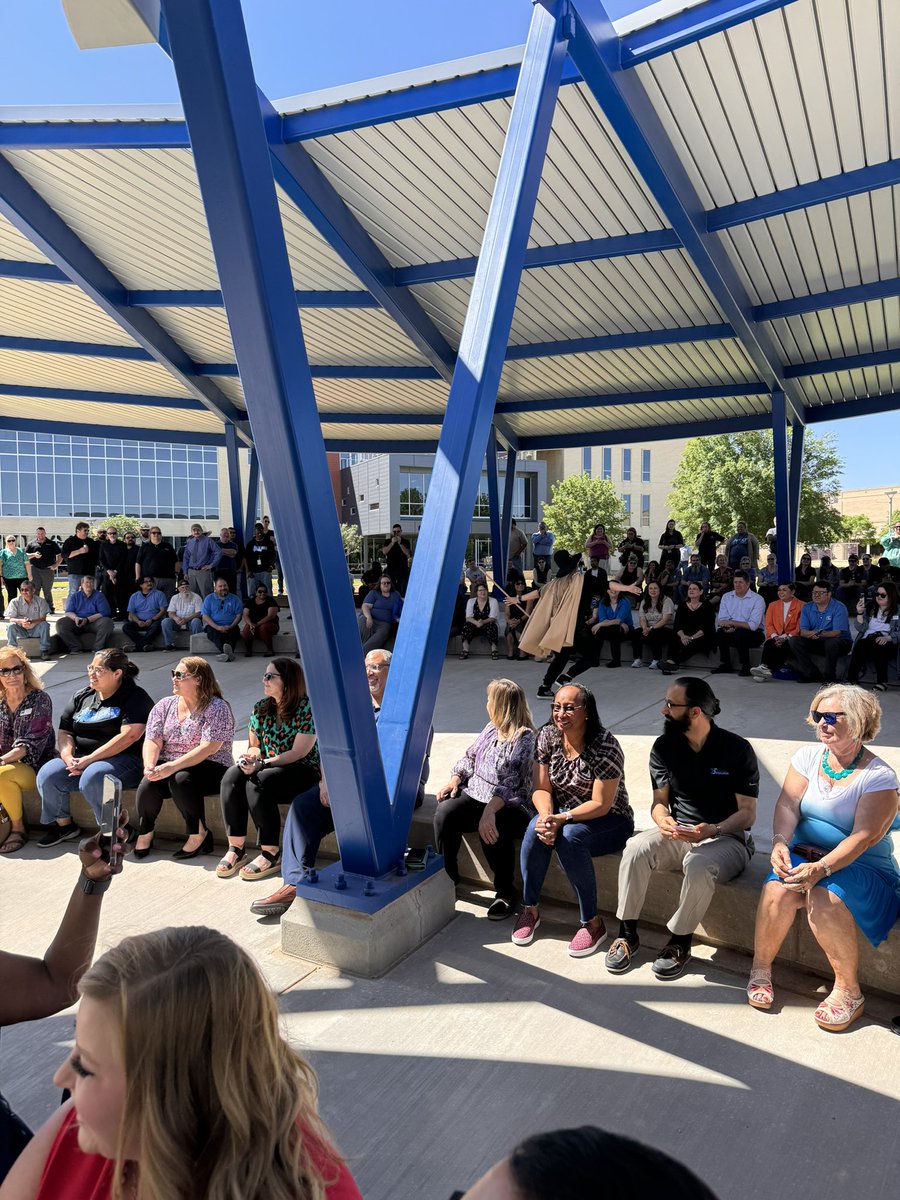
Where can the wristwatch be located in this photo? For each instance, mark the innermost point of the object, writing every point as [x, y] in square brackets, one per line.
[94, 887]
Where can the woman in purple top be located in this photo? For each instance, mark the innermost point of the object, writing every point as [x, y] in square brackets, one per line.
[597, 546]
[187, 750]
[26, 738]
[380, 613]
[490, 791]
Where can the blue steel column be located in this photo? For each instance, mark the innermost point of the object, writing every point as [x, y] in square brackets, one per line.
[208, 45]
[795, 478]
[782, 492]
[421, 641]
[498, 555]
[509, 487]
[234, 475]
[252, 495]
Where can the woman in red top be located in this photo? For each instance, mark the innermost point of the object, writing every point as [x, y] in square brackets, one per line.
[182, 1087]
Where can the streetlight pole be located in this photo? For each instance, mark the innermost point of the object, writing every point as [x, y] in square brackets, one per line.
[890, 496]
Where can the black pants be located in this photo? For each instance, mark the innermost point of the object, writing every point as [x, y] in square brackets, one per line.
[742, 640]
[12, 587]
[866, 650]
[188, 788]
[657, 639]
[775, 654]
[461, 814]
[830, 649]
[219, 639]
[592, 645]
[260, 795]
[490, 631]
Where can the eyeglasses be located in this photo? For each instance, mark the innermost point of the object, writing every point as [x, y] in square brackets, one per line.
[179, 675]
[156, 533]
[111, 533]
[830, 718]
[564, 708]
[269, 676]
[12, 670]
[671, 704]
[96, 670]
[9, 541]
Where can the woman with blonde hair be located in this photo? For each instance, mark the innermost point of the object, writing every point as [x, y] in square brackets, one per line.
[490, 791]
[26, 738]
[182, 1087]
[831, 851]
[187, 750]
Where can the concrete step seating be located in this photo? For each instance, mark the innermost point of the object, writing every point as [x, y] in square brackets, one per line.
[729, 921]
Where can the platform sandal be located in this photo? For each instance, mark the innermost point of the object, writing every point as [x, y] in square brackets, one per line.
[252, 871]
[839, 1010]
[760, 993]
[231, 862]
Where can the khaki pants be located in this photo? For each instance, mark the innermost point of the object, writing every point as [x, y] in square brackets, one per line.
[704, 864]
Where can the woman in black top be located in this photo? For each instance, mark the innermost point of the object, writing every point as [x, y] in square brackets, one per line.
[116, 584]
[670, 539]
[707, 542]
[101, 732]
[260, 620]
[541, 572]
[694, 629]
[804, 577]
[517, 613]
[632, 545]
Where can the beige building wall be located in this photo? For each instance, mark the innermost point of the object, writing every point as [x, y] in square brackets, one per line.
[648, 498]
[877, 503]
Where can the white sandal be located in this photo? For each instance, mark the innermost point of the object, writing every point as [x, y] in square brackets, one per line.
[760, 993]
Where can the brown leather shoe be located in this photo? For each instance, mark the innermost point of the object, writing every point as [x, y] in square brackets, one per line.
[277, 904]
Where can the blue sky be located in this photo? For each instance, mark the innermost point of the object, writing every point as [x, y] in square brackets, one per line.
[302, 45]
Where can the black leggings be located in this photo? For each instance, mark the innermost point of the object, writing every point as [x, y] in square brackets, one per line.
[461, 814]
[866, 650]
[260, 795]
[188, 788]
[592, 646]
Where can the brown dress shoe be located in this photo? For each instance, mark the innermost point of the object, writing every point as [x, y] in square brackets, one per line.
[277, 904]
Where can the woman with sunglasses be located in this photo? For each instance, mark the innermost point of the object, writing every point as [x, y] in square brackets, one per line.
[831, 851]
[260, 620]
[582, 813]
[282, 761]
[26, 738]
[187, 751]
[877, 635]
[14, 567]
[101, 732]
[183, 1086]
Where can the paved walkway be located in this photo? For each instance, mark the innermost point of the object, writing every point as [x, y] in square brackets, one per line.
[437, 1070]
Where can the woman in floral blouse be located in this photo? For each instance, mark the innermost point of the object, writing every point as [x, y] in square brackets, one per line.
[281, 761]
[490, 791]
[26, 738]
[583, 812]
[187, 750]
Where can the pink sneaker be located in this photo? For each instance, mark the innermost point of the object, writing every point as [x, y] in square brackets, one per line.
[584, 942]
[526, 923]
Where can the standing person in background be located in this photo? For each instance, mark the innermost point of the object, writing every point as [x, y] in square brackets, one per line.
[117, 584]
[143, 536]
[542, 543]
[80, 555]
[707, 544]
[597, 546]
[518, 544]
[740, 543]
[158, 559]
[891, 548]
[260, 559]
[199, 558]
[670, 541]
[631, 546]
[228, 561]
[397, 552]
[132, 545]
[44, 556]
[15, 567]
[267, 526]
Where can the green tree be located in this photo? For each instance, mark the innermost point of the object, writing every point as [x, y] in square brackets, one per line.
[858, 528]
[121, 523]
[579, 503]
[412, 502]
[351, 536]
[729, 478]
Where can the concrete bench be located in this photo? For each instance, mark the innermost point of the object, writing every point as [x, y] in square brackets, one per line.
[284, 642]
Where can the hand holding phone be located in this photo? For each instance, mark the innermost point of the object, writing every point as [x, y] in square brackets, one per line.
[110, 819]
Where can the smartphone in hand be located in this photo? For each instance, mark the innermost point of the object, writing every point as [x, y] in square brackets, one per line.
[110, 818]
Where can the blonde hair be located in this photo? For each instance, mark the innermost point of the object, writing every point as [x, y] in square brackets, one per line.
[219, 1103]
[207, 684]
[507, 707]
[32, 683]
[861, 708]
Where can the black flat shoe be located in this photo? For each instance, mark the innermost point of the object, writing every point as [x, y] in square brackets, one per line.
[205, 847]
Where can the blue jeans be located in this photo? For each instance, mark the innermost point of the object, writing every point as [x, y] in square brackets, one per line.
[55, 784]
[14, 634]
[307, 822]
[577, 845]
[169, 628]
[141, 637]
[74, 583]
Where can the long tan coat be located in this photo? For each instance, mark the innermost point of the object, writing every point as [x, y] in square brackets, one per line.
[553, 622]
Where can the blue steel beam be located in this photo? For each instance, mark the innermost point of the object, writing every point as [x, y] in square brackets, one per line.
[213, 299]
[684, 28]
[661, 433]
[127, 433]
[30, 214]
[622, 97]
[795, 482]
[418, 656]
[94, 135]
[208, 45]
[495, 516]
[388, 446]
[860, 293]
[865, 406]
[509, 487]
[132, 399]
[717, 391]
[252, 496]
[233, 462]
[849, 362]
[35, 271]
[621, 341]
[783, 522]
[805, 195]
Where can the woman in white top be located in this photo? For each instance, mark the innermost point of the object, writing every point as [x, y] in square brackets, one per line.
[655, 614]
[482, 615]
[831, 851]
[877, 635]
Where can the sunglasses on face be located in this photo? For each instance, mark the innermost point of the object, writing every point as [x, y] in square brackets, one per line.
[830, 718]
[12, 670]
[179, 675]
[881, 595]
[269, 676]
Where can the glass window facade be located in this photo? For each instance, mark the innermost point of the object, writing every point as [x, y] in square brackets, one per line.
[626, 504]
[350, 460]
[645, 510]
[606, 455]
[414, 490]
[645, 466]
[53, 475]
[626, 466]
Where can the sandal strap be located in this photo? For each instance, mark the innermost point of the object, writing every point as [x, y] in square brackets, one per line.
[272, 858]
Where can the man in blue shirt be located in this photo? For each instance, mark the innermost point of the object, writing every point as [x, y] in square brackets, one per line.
[87, 624]
[200, 556]
[693, 572]
[824, 632]
[221, 614]
[542, 542]
[146, 609]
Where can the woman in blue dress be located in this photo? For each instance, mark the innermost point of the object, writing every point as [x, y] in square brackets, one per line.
[831, 851]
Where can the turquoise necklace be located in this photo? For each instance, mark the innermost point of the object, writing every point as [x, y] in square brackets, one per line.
[846, 771]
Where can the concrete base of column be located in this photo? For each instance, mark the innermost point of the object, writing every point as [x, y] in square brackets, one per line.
[335, 922]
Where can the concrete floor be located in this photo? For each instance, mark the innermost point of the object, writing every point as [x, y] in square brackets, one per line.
[435, 1071]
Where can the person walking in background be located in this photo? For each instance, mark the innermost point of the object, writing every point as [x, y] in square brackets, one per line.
[44, 556]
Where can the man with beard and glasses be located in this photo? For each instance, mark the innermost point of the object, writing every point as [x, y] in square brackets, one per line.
[705, 784]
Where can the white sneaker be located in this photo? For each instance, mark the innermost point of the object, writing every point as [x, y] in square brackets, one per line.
[222, 658]
[761, 672]
[654, 666]
[637, 663]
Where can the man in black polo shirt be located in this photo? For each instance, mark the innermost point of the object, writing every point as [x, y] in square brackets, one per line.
[44, 556]
[397, 553]
[159, 559]
[705, 784]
